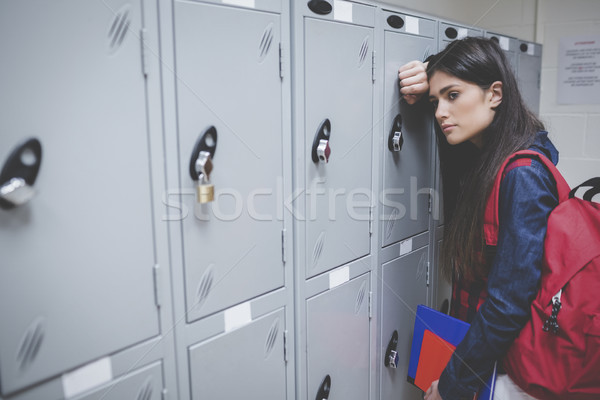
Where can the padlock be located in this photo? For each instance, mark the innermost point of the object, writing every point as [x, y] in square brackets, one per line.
[16, 192]
[397, 140]
[393, 359]
[205, 191]
[323, 150]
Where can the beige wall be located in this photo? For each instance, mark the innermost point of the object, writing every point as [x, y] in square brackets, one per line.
[575, 129]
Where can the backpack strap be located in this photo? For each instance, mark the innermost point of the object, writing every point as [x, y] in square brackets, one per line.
[588, 190]
[523, 157]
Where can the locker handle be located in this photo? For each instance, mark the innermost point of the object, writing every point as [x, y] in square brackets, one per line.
[320, 148]
[395, 21]
[451, 33]
[206, 143]
[391, 355]
[395, 139]
[320, 7]
[324, 389]
[19, 174]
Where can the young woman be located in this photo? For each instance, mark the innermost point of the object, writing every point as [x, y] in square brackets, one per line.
[481, 121]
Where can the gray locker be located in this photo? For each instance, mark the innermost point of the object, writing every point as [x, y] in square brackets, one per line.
[509, 45]
[78, 258]
[245, 363]
[450, 31]
[228, 78]
[337, 342]
[407, 132]
[338, 101]
[145, 384]
[404, 288]
[442, 288]
[529, 74]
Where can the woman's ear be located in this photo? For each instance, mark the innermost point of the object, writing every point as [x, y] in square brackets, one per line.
[496, 94]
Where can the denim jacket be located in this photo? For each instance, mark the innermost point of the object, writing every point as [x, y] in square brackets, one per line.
[527, 196]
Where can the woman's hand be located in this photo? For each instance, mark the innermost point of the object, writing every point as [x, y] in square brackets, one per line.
[413, 81]
[432, 393]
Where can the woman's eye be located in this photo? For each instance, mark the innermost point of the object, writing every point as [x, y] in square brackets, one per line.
[453, 95]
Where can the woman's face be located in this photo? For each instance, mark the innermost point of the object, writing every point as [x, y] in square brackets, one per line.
[462, 109]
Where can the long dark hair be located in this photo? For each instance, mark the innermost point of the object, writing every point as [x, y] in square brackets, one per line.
[467, 172]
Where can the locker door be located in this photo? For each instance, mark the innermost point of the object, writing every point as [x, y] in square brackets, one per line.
[404, 287]
[339, 89]
[449, 32]
[77, 259]
[228, 78]
[146, 384]
[337, 339]
[247, 363]
[509, 46]
[443, 288]
[529, 74]
[407, 167]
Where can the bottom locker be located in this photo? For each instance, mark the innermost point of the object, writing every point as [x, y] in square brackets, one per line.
[246, 363]
[337, 341]
[404, 287]
[443, 288]
[144, 384]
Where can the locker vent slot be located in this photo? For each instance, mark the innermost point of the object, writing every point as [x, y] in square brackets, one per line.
[364, 51]
[145, 392]
[205, 285]
[30, 344]
[271, 338]
[118, 28]
[265, 42]
[360, 298]
[318, 249]
[389, 224]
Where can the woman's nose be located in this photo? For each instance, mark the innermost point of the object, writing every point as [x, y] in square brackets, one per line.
[441, 112]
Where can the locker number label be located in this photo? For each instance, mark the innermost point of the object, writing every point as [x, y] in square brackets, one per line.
[342, 11]
[87, 377]
[238, 316]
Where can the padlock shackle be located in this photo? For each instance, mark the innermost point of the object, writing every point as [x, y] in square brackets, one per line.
[206, 142]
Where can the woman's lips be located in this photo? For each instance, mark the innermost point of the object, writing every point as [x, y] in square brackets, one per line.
[446, 128]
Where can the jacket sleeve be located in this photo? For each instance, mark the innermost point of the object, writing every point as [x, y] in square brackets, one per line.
[527, 196]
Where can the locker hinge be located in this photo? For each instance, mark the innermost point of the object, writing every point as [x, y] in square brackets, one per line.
[427, 275]
[285, 356]
[280, 61]
[157, 285]
[371, 220]
[430, 207]
[143, 35]
[283, 246]
[370, 305]
[164, 394]
[373, 65]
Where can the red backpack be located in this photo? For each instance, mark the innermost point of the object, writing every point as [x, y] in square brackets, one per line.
[557, 354]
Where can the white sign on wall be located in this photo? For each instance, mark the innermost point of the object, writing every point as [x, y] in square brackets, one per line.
[579, 70]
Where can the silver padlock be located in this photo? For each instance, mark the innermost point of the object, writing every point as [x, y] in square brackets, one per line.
[17, 191]
[323, 150]
[393, 359]
[397, 140]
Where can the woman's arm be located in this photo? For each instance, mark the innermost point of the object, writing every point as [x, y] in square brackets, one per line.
[413, 81]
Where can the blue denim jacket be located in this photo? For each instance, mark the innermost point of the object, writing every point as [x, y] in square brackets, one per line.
[527, 196]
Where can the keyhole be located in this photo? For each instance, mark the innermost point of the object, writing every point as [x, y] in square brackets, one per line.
[28, 157]
[209, 140]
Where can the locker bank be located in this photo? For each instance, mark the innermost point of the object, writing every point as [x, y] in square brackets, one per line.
[217, 199]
